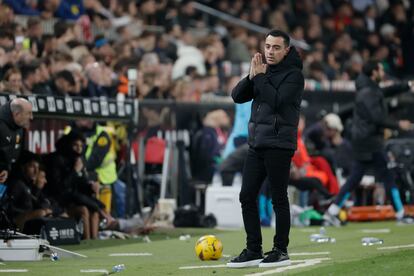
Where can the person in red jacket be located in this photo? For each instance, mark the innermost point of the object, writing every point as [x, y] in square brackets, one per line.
[316, 167]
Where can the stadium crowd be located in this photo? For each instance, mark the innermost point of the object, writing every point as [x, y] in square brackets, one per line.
[87, 47]
[93, 44]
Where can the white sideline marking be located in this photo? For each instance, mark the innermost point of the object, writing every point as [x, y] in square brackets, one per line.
[304, 263]
[202, 266]
[309, 253]
[301, 263]
[307, 230]
[129, 254]
[396, 247]
[226, 256]
[94, 271]
[14, 270]
[385, 230]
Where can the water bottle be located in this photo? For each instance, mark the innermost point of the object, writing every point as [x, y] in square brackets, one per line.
[319, 238]
[54, 257]
[322, 231]
[368, 241]
[118, 268]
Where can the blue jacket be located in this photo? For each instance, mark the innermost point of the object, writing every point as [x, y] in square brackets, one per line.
[241, 121]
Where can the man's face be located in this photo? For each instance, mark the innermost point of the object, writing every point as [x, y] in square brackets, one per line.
[41, 180]
[23, 118]
[77, 146]
[275, 49]
[63, 85]
[328, 132]
[31, 169]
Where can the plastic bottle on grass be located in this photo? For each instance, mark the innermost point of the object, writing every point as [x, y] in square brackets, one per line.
[318, 238]
[118, 268]
[54, 257]
[368, 241]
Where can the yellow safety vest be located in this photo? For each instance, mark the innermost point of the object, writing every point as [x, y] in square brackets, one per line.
[107, 171]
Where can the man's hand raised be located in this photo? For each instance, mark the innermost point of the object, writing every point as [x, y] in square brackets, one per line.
[257, 66]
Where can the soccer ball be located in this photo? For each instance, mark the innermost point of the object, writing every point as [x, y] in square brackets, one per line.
[208, 247]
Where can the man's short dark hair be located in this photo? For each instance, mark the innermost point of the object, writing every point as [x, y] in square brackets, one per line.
[276, 33]
[369, 67]
[66, 75]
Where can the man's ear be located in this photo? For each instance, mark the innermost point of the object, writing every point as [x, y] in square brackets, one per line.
[287, 50]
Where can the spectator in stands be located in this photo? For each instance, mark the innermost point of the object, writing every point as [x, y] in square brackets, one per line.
[237, 50]
[24, 7]
[103, 49]
[99, 80]
[324, 139]
[6, 15]
[7, 41]
[68, 9]
[14, 117]
[13, 81]
[370, 119]
[63, 83]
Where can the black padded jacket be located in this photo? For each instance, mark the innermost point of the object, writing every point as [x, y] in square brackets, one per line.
[276, 95]
[11, 138]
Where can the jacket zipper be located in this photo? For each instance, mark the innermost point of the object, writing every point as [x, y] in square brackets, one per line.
[255, 123]
[276, 125]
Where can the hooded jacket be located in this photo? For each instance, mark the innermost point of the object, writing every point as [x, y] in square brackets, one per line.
[276, 95]
[370, 116]
[11, 138]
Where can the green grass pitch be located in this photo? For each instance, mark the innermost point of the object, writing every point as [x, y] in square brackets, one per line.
[346, 257]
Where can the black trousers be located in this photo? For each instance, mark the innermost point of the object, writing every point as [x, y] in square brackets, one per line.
[386, 176]
[259, 164]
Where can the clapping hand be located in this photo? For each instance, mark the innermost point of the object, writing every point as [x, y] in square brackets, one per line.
[257, 66]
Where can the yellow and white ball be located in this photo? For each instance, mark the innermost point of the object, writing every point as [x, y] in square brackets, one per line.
[208, 247]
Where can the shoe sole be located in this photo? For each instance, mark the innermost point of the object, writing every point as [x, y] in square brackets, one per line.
[245, 264]
[275, 264]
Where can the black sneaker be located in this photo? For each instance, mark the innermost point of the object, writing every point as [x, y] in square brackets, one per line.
[247, 258]
[276, 257]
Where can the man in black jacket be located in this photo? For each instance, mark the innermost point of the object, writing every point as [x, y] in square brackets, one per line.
[276, 88]
[369, 120]
[14, 116]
